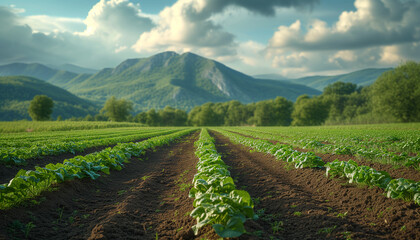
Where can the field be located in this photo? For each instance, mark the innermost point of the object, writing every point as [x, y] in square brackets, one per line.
[108, 181]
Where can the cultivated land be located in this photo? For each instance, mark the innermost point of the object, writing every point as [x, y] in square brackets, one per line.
[130, 182]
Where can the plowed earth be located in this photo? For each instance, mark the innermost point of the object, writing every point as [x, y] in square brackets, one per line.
[312, 206]
[394, 171]
[148, 199]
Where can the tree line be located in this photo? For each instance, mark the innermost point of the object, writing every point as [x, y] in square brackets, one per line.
[394, 97]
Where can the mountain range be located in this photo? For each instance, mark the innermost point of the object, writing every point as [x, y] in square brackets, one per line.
[364, 77]
[178, 80]
[16, 93]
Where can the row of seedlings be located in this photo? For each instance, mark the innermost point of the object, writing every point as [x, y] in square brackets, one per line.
[406, 189]
[28, 184]
[18, 156]
[217, 201]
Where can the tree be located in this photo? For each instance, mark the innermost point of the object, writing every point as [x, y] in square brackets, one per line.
[152, 118]
[396, 93]
[40, 108]
[340, 88]
[117, 109]
[283, 109]
[309, 111]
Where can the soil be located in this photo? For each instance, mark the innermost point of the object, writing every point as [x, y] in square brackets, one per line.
[146, 199]
[312, 206]
[8, 172]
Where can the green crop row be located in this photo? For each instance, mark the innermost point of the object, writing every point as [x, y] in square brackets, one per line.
[28, 184]
[377, 154]
[401, 188]
[18, 156]
[217, 201]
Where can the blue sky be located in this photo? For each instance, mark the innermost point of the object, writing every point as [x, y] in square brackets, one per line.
[290, 38]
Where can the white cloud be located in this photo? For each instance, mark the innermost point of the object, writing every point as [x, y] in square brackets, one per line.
[111, 27]
[117, 21]
[48, 24]
[379, 33]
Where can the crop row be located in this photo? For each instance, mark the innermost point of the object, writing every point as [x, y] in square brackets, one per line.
[18, 156]
[374, 154]
[400, 140]
[217, 201]
[30, 139]
[401, 188]
[27, 184]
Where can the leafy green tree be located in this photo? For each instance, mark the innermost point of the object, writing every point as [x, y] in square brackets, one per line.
[152, 118]
[40, 108]
[283, 109]
[235, 114]
[180, 118]
[172, 117]
[340, 88]
[309, 111]
[264, 113]
[396, 93]
[117, 110]
[141, 117]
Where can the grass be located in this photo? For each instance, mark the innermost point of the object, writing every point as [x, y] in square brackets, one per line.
[32, 126]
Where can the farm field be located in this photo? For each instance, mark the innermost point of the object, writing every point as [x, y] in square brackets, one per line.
[131, 182]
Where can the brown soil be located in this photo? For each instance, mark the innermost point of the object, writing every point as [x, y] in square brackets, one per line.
[146, 199]
[312, 206]
[8, 172]
[394, 171]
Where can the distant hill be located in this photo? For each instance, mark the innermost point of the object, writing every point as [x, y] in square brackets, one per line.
[181, 81]
[40, 71]
[363, 77]
[271, 76]
[16, 92]
[74, 68]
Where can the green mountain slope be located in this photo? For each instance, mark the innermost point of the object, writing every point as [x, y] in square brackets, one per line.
[16, 92]
[39, 71]
[181, 81]
[363, 77]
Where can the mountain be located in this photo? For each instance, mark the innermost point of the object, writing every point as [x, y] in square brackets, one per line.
[40, 71]
[74, 68]
[271, 76]
[181, 81]
[16, 92]
[363, 77]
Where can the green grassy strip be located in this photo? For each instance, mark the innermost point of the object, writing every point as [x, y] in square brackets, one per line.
[18, 156]
[217, 201]
[401, 188]
[28, 184]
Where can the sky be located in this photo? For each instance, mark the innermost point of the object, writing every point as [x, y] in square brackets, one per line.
[292, 38]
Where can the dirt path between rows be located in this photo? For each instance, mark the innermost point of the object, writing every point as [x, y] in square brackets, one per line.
[145, 200]
[394, 171]
[8, 172]
[304, 204]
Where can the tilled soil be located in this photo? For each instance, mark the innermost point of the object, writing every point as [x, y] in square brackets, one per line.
[8, 172]
[304, 204]
[146, 200]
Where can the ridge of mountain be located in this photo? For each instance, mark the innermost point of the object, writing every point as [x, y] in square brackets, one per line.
[16, 93]
[363, 77]
[181, 81]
